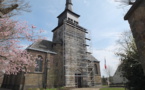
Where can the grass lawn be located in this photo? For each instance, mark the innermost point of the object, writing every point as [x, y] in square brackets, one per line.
[112, 89]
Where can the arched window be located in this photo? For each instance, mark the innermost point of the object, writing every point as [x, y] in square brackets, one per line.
[96, 69]
[39, 61]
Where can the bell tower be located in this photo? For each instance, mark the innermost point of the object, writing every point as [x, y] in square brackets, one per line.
[68, 14]
[69, 5]
[69, 40]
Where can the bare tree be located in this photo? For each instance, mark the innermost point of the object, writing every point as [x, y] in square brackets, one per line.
[127, 2]
[13, 7]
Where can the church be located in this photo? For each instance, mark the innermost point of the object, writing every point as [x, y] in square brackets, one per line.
[65, 61]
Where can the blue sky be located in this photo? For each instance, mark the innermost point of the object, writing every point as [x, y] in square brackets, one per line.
[103, 18]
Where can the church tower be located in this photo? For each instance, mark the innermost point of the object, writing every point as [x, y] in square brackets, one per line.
[74, 66]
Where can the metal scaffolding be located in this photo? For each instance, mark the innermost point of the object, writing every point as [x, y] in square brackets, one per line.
[77, 60]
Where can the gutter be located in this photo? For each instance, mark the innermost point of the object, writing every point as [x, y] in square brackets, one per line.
[46, 51]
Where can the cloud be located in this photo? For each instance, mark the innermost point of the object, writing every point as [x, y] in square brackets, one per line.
[107, 53]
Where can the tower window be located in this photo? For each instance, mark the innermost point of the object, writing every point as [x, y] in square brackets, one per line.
[75, 22]
[69, 19]
[39, 61]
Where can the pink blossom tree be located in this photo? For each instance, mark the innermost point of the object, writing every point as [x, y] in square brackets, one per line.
[13, 58]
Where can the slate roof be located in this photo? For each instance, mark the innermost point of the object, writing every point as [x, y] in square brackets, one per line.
[91, 58]
[132, 9]
[67, 10]
[42, 46]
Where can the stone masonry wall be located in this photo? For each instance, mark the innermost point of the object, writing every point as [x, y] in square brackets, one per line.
[74, 50]
[37, 79]
[137, 24]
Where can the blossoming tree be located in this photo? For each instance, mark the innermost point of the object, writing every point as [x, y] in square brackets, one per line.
[13, 58]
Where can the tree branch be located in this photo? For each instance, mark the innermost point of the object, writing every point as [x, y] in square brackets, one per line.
[3, 57]
[9, 9]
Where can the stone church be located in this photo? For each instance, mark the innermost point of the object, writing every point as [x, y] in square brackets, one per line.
[64, 61]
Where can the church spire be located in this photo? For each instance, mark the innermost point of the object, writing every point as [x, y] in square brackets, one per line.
[69, 5]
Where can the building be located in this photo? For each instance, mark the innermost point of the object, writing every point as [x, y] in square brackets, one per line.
[64, 61]
[78, 67]
[136, 19]
[118, 78]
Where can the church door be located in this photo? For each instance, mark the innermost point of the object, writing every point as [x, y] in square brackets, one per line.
[78, 80]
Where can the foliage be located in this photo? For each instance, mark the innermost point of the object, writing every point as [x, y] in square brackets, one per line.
[12, 58]
[131, 67]
[112, 89]
[104, 80]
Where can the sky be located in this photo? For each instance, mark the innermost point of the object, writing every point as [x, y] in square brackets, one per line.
[102, 18]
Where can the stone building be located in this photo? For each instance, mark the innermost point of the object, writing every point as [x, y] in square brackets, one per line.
[64, 61]
[136, 19]
[78, 67]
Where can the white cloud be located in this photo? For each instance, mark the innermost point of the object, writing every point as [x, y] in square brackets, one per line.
[107, 53]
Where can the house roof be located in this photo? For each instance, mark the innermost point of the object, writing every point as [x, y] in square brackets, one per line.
[42, 46]
[132, 9]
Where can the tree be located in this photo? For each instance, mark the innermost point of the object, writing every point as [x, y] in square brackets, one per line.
[13, 7]
[108, 72]
[104, 80]
[131, 66]
[127, 2]
[12, 58]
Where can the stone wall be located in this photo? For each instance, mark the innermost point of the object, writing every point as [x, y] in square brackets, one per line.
[136, 19]
[98, 75]
[71, 51]
[33, 81]
[40, 79]
[98, 80]
[58, 66]
[1, 80]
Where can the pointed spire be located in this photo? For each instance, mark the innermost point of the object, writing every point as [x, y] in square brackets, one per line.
[69, 5]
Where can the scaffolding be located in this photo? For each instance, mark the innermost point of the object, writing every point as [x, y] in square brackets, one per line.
[77, 60]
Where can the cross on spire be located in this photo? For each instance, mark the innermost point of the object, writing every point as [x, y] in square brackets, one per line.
[69, 5]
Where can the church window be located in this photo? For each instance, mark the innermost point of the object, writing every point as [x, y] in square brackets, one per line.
[39, 61]
[96, 69]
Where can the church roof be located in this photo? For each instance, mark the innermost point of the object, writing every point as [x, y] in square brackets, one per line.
[42, 46]
[67, 10]
[72, 24]
[132, 9]
[91, 58]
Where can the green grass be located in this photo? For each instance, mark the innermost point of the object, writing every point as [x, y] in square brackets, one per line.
[112, 89]
[52, 89]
